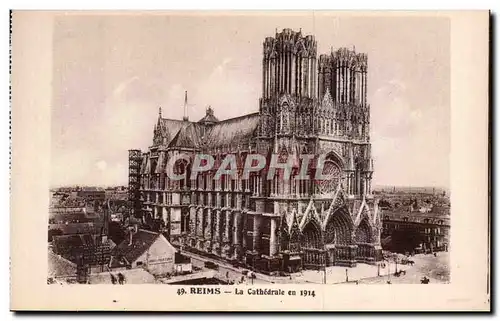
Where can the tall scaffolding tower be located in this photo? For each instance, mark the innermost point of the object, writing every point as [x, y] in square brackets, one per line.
[134, 168]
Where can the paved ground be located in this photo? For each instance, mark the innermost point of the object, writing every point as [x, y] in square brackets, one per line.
[338, 274]
[225, 272]
[435, 268]
[187, 277]
[133, 276]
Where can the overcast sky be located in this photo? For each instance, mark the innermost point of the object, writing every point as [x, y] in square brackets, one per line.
[111, 73]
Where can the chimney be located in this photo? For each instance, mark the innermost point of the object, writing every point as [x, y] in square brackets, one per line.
[185, 118]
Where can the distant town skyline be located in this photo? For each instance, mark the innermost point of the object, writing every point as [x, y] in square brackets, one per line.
[112, 73]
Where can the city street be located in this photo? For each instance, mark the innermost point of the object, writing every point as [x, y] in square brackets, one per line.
[226, 272]
[435, 268]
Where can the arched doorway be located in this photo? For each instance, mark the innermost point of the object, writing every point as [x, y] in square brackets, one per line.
[363, 232]
[338, 237]
[312, 245]
[363, 240]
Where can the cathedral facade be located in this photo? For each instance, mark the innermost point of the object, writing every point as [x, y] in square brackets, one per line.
[310, 105]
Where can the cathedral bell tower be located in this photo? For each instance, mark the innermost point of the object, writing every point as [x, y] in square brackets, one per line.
[289, 65]
[289, 82]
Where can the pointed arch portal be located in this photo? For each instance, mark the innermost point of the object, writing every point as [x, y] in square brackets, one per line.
[363, 232]
[363, 238]
[339, 228]
[338, 238]
[312, 236]
[312, 245]
[338, 242]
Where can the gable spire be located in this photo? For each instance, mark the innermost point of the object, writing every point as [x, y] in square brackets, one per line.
[327, 99]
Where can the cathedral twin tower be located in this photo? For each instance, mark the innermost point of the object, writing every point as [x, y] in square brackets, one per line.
[290, 65]
[319, 106]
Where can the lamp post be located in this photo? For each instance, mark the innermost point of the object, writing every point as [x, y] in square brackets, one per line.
[388, 272]
[324, 269]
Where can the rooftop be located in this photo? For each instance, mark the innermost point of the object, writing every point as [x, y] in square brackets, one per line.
[141, 241]
[59, 266]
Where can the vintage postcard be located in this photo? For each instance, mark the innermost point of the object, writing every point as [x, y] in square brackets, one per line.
[180, 161]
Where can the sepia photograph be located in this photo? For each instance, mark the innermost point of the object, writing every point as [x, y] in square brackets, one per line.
[150, 89]
[236, 153]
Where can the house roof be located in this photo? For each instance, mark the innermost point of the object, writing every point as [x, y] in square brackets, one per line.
[432, 218]
[141, 242]
[59, 266]
[78, 240]
[77, 228]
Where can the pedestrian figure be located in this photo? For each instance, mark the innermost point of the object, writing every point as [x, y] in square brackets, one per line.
[121, 278]
[113, 279]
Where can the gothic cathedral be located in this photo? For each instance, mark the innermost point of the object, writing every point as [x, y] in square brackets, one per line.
[309, 106]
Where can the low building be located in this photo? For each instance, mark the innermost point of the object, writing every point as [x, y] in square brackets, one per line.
[182, 264]
[91, 194]
[431, 227]
[87, 250]
[60, 268]
[150, 251]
